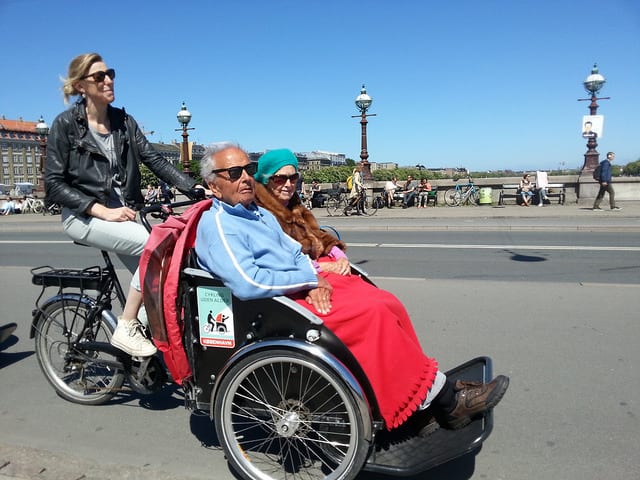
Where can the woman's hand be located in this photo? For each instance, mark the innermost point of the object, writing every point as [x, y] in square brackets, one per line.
[320, 297]
[340, 266]
[121, 214]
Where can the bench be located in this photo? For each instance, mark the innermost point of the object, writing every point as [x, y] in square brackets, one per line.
[511, 191]
[398, 196]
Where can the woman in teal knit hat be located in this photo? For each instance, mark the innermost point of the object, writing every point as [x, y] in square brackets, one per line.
[276, 177]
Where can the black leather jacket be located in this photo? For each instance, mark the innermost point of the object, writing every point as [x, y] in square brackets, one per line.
[77, 174]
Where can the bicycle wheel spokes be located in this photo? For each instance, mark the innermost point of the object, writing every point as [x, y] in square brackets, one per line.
[335, 207]
[78, 375]
[452, 197]
[285, 416]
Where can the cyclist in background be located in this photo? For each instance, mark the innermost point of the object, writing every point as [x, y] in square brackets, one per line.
[357, 187]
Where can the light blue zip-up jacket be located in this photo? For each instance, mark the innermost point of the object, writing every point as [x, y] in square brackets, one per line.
[247, 249]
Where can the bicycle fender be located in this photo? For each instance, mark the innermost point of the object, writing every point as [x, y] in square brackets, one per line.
[73, 297]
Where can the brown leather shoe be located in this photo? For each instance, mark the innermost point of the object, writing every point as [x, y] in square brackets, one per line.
[474, 399]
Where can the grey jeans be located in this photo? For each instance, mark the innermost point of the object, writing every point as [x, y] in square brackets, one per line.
[608, 188]
[125, 239]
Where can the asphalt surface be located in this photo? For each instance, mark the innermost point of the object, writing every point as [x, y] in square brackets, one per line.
[19, 462]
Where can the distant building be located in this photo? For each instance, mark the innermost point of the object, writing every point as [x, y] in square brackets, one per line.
[309, 161]
[336, 159]
[449, 171]
[172, 152]
[21, 151]
[383, 166]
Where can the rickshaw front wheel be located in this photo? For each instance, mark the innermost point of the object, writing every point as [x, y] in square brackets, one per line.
[284, 414]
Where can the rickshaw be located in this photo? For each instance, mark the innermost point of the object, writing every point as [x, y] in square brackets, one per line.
[286, 397]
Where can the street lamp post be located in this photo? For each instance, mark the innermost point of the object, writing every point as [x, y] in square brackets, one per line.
[363, 102]
[592, 84]
[43, 130]
[184, 117]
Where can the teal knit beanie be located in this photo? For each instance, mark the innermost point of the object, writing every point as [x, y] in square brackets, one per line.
[272, 161]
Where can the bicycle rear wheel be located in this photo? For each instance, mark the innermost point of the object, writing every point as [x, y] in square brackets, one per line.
[452, 197]
[38, 206]
[81, 376]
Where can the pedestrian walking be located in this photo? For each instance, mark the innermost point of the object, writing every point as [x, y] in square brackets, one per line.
[605, 184]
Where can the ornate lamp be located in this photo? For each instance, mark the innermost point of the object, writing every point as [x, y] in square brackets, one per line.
[363, 102]
[184, 117]
[43, 130]
[593, 84]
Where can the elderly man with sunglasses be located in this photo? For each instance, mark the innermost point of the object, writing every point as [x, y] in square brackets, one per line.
[244, 246]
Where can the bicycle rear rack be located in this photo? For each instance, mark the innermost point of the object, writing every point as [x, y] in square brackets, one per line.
[91, 278]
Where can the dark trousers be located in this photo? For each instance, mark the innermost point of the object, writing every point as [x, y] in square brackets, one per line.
[612, 196]
[409, 198]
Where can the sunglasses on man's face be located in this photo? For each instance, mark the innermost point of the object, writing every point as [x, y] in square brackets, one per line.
[100, 75]
[282, 179]
[236, 172]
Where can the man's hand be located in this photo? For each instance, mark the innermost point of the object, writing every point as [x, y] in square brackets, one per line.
[320, 297]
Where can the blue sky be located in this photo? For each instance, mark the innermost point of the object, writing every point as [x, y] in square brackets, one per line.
[485, 85]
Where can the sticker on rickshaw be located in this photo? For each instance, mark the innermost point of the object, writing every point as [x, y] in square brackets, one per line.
[215, 314]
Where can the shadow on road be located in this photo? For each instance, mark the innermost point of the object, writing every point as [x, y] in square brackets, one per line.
[519, 257]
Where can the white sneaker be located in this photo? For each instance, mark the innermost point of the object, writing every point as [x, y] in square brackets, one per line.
[129, 337]
[540, 204]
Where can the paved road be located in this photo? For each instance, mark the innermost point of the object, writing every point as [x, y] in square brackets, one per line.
[571, 351]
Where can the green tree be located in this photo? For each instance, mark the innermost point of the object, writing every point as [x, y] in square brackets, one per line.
[632, 169]
[148, 177]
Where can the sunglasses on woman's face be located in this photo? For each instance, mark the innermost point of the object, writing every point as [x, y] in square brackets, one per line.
[236, 172]
[100, 75]
[282, 179]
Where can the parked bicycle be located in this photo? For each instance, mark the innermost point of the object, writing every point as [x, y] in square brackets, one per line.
[32, 205]
[462, 194]
[340, 204]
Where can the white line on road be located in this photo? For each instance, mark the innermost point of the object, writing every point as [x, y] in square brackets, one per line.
[424, 245]
[34, 242]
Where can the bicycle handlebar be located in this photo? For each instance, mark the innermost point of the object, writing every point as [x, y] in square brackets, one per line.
[165, 210]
